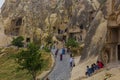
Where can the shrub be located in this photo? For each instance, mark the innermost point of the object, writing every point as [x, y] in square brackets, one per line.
[18, 41]
[46, 49]
[71, 43]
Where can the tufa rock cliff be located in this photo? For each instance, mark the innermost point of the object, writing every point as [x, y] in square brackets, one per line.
[62, 19]
[35, 19]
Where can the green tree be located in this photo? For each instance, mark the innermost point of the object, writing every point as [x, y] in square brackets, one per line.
[18, 41]
[46, 49]
[30, 60]
[71, 43]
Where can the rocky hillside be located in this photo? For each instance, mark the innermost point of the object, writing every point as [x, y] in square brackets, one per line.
[96, 35]
[98, 32]
[32, 19]
[62, 19]
[35, 19]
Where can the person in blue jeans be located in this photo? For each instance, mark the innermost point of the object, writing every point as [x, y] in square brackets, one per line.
[95, 66]
[71, 62]
[63, 51]
[89, 71]
[92, 68]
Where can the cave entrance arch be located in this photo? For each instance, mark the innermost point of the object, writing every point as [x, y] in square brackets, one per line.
[106, 56]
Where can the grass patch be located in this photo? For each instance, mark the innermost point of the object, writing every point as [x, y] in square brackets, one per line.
[8, 66]
[47, 61]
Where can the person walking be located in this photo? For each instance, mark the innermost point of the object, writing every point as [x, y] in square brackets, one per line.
[61, 57]
[56, 52]
[63, 51]
[71, 62]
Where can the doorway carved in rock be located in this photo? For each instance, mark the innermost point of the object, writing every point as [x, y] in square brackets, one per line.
[106, 56]
[118, 52]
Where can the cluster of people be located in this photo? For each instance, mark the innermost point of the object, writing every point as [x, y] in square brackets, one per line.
[94, 67]
[61, 52]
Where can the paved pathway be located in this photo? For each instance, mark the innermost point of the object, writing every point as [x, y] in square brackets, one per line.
[62, 69]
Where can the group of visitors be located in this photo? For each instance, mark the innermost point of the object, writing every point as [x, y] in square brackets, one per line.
[61, 52]
[94, 67]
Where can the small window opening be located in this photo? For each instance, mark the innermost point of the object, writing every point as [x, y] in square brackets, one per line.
[81, 26]
[27, 39]
[54, 28]
[19, 22]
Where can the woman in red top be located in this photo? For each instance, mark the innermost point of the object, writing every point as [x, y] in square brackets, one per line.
[100, 64]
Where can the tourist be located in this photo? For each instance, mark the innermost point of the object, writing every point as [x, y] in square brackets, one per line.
[88, 72]
[71, 62]
[63, 51]
[92, 68]
[56, 52]
[61, 56]
[100, 64]
[95, 66]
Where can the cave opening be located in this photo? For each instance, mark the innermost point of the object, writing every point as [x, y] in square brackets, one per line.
[27, 39]
[19, 22]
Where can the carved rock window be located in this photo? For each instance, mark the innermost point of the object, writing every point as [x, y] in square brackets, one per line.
[19, 22]
[27, 39]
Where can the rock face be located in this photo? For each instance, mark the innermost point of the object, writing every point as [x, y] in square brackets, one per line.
[112, 49]
[103, 39]
[26, 18]
[103, 36]
[23, 18]
[4, 40]
[96, 35]
[62, 19]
